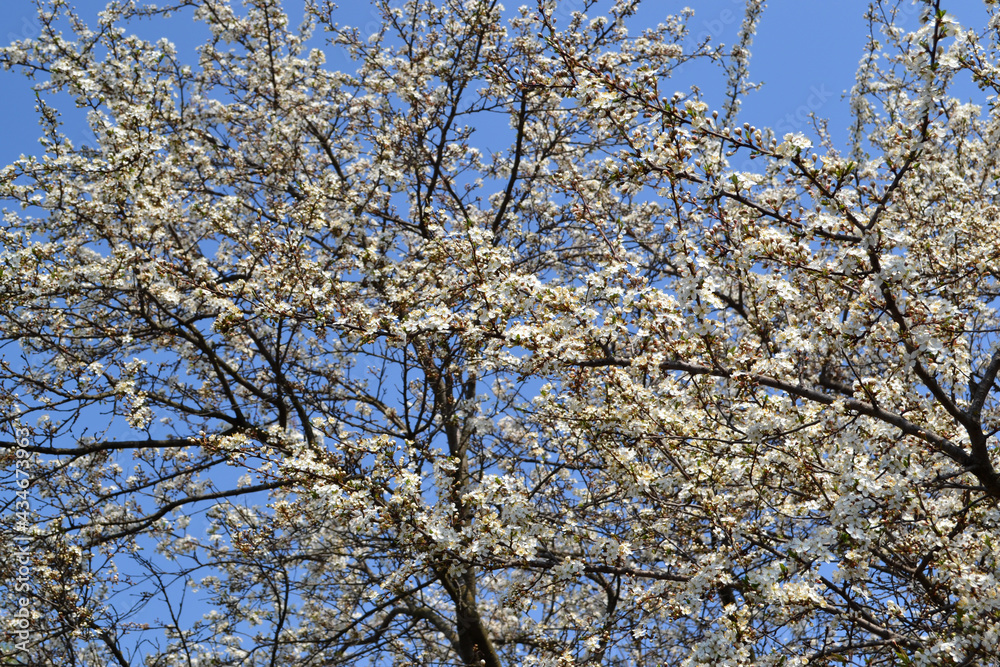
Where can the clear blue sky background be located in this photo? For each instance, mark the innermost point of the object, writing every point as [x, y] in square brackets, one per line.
[806, 52]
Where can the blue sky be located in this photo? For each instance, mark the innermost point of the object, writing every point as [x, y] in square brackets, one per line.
[806, 53]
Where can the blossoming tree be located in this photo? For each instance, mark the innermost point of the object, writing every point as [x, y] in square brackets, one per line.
[484, 354]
